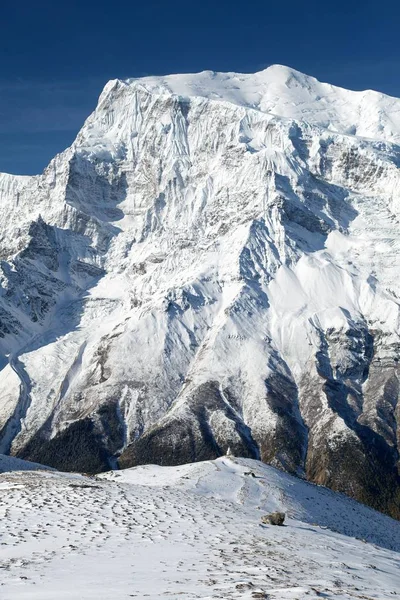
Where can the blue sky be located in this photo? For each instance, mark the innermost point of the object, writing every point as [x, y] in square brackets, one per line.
[55, 57]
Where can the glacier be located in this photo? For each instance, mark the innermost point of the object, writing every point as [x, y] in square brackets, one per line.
[212, 264]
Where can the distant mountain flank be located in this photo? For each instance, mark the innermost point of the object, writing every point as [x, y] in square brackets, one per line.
[212, 264]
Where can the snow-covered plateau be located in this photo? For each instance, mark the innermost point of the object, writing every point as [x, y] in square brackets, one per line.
[213, 263]
[191, 531]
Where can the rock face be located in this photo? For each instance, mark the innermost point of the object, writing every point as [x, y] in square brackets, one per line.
[212, 264]
[274, 518]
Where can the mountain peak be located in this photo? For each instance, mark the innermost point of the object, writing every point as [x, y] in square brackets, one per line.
[284, 92]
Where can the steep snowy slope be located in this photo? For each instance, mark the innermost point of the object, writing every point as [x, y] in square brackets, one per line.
[10, 463]
[212, 264]
[191, 532]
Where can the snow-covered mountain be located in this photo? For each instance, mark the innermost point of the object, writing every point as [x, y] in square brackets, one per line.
[213, 263]
[192, 532]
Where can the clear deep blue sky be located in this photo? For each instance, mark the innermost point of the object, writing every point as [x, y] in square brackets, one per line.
[55, 56]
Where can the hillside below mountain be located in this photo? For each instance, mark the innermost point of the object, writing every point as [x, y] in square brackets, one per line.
[191, 531]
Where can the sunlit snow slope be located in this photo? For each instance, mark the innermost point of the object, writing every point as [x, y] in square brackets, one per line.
[212, 264]
[192, 531]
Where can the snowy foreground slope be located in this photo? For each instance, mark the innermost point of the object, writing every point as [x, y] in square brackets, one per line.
[190, 532]
[213, 263]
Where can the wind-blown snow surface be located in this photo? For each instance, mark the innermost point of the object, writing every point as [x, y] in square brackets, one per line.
[193, 532]
[212, 264]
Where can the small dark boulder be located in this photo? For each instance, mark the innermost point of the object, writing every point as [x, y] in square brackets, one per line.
[275, 518]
